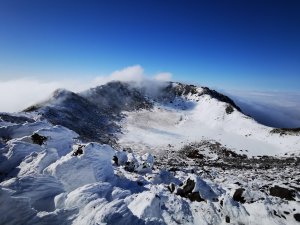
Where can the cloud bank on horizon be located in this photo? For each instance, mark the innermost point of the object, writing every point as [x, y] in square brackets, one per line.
[18, 94]
[274, 109]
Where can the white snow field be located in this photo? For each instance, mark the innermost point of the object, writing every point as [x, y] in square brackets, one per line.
[195, 118]
[48, 175]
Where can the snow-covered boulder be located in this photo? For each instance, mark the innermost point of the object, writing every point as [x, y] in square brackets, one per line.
[146, 205]
[58, 137]
[139, 164]
[91, 166]
[196, 189]
[121, 157]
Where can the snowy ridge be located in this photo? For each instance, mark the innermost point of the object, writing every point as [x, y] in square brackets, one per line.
[199, 116]
[196, 172]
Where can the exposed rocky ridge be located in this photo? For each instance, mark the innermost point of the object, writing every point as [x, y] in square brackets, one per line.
[14, 118]
[77, 113]
[175, 89]
[286, 131]
[116, 97]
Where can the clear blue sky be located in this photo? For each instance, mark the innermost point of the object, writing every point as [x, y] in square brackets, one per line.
[230, 43]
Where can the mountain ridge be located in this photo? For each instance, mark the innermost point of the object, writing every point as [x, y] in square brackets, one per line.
[173, 155]
[102, 106]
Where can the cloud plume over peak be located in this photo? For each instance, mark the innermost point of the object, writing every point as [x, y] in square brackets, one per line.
[17, 94]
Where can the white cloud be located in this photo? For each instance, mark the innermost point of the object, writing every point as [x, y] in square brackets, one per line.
[277, 109]
[163, 76]
[132, 73]
[18, 94]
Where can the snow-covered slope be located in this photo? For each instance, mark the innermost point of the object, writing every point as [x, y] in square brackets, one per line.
[51, 172]
[198, 116]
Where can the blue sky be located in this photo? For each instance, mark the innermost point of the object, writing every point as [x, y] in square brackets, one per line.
[227, 44]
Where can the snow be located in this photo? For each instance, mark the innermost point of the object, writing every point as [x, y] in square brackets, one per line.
[67, 181]
[204, 118]
[75, 171]
[47, 187]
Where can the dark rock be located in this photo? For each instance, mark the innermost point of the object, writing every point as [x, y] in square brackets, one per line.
[188, 186]
[297, 217]
[186, 191]
[276, 214]
[229, 109]
[283, 193]
[237, 196]
[15, 119]
[222, 202]
[38, 139]
[286, 131]
[129, 166]
[171, 187]
[195, 196]
[194, 154]
[127, 149]
[78, 151]
[116, 160]
[285, 212]
[140, 183]
[173, 169]
[227, 219]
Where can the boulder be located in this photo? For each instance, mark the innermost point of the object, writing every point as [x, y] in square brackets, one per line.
[283, 193]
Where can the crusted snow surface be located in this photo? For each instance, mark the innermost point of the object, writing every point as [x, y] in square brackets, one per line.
[61, 180]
